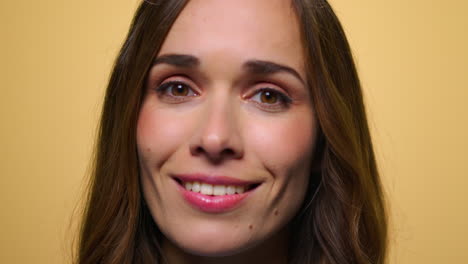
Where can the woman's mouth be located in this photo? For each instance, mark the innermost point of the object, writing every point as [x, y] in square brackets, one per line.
[204, 194]
[216, 190]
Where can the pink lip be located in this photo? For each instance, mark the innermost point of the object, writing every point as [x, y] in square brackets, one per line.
[213, 204]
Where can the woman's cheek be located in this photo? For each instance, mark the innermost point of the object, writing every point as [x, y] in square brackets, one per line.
[160, 132]
[285, 143]
[283, 146]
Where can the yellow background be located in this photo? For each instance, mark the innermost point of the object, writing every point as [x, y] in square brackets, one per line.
[55, 60]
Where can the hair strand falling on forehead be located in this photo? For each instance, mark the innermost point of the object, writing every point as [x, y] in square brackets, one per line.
[343, 220]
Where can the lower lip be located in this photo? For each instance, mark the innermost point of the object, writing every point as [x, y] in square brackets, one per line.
[213, 204]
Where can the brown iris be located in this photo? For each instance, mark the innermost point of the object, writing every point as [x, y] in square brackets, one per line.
[269, 97]
[179, 90]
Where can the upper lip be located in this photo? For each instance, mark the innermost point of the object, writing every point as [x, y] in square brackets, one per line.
[214, 179]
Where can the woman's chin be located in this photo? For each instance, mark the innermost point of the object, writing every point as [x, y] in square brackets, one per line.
[210, 246]
[213, 252]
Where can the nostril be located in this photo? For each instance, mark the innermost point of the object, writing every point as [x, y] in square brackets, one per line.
[199, 150]
[215, 151]
[227, 152]
[216, 156]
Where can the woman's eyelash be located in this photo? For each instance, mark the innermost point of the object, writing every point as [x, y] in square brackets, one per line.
[270, 96]
[267, 98]
[175, 89]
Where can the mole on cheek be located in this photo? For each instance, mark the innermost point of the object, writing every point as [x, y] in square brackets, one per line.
[250, 227]
[276, 212]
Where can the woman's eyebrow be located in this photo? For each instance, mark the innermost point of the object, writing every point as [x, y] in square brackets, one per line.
[178, 60]
[267, 67]
[259, 67]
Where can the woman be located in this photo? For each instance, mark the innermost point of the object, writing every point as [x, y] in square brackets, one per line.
[234, 132]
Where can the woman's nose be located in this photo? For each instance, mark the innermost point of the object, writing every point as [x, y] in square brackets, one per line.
[218, 135]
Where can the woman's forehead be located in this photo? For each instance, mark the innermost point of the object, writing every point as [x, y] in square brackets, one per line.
[236, 31]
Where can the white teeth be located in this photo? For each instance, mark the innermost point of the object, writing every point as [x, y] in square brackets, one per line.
[219, 190]
[188, 186]
[196, 187]
[206, 189]
[230, 189]
[209, 189]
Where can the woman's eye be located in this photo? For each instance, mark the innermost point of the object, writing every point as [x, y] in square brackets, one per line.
[268, 97]
[175, 90]
[271, 98]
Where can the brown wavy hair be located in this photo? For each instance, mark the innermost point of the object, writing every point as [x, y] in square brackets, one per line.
[343, 218]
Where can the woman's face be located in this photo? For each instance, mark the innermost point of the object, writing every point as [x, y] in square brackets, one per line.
[226, 129]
